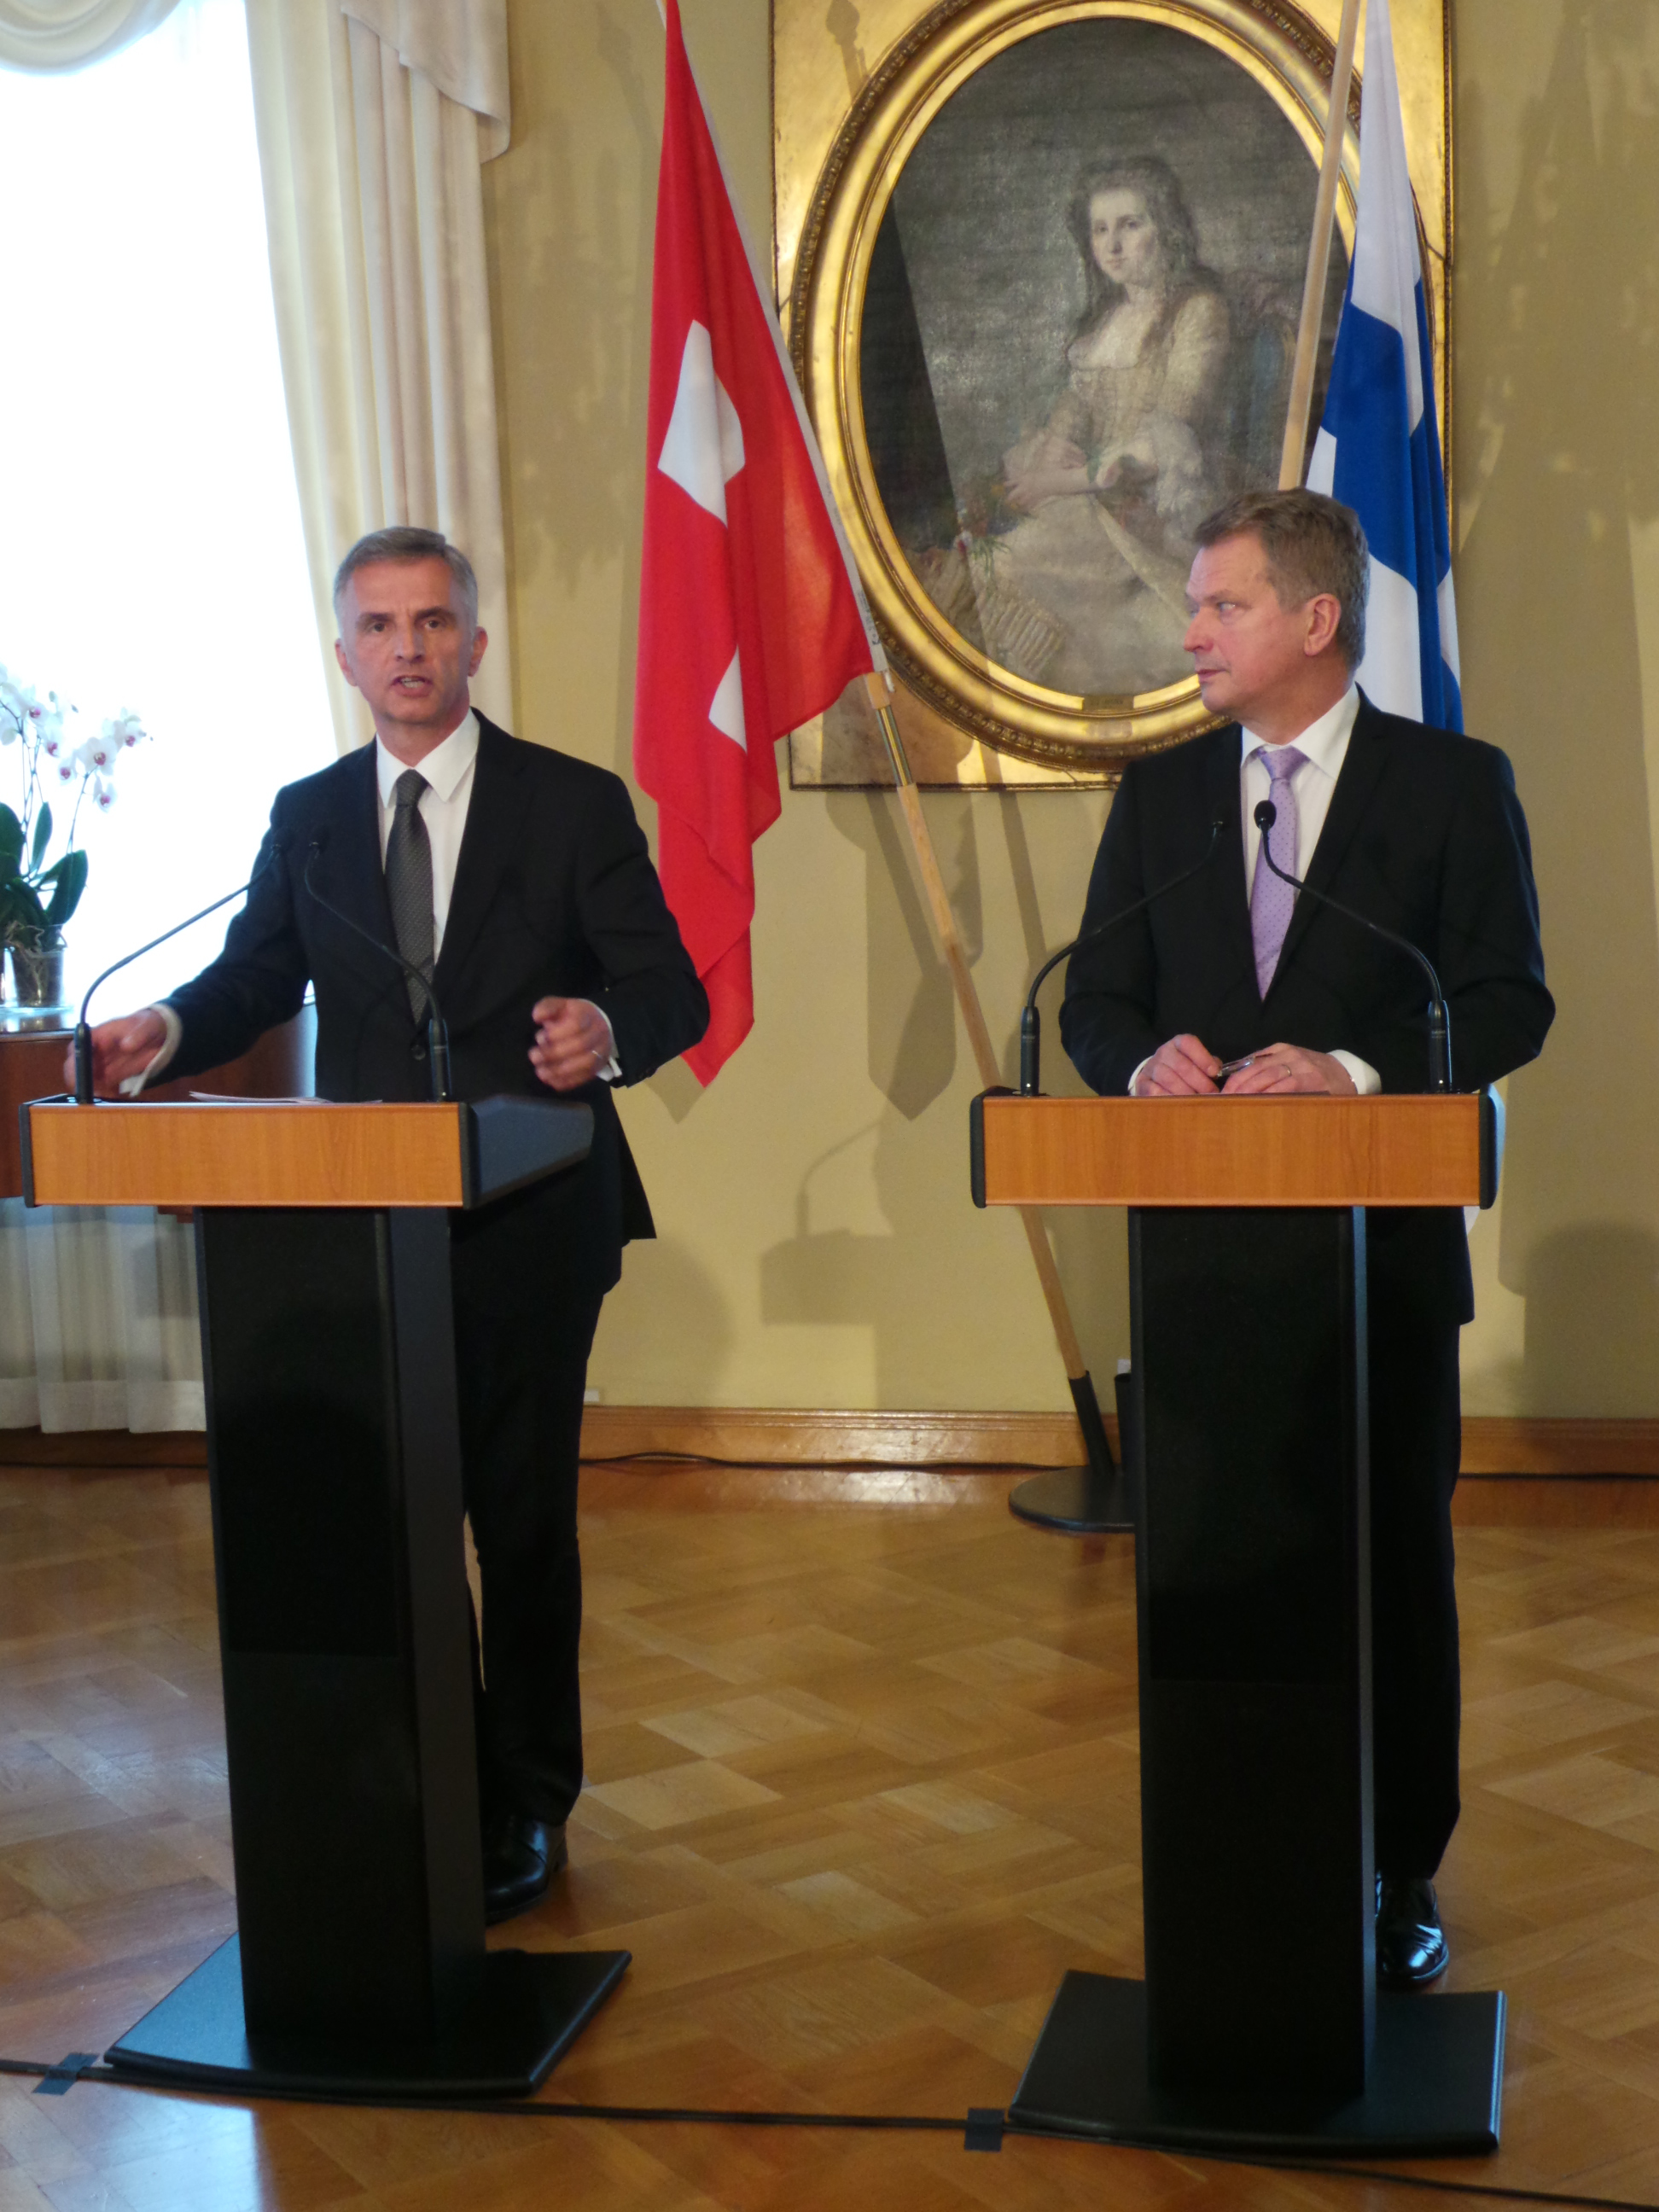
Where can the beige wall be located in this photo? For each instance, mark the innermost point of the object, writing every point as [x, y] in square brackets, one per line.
[818, 1246]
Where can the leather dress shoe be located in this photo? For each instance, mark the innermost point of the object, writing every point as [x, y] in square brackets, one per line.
[521, 1855]
[1411, 1944]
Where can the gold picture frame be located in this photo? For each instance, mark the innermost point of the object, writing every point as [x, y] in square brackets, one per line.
[959, 83]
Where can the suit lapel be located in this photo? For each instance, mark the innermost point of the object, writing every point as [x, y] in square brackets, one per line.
[1362, 768]
[350, 873]
[494, 822]
[1228, 894]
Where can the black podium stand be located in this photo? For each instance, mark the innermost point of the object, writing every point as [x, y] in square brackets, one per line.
[1249, 1457]
[359, 1967]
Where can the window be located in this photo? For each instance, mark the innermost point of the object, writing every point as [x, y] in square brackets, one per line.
[150, 546]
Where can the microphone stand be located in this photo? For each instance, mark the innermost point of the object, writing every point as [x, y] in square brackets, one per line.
[437, 1029]
[1440, 1068]
[1031, 1022]
[84, 1093]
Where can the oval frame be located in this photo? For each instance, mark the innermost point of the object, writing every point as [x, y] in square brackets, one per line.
[1283, 51]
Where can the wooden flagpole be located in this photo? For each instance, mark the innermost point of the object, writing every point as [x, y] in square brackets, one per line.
[990, 1074]
[1293, 455]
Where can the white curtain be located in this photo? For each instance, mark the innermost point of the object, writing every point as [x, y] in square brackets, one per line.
[374, 117]
[98, 1320]
[67, 34]
[176, 442]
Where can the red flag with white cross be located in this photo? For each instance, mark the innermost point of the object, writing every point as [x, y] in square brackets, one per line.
[752, 616]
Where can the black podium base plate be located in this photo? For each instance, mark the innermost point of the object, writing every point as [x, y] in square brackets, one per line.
[1075, 1500]
[531, 2007]
[1436, 2083]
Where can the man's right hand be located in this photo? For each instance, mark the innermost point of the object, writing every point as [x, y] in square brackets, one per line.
[1183, 1068]
[124, 1047]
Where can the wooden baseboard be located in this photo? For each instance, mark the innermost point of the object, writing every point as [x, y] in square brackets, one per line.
[760, 1436]
[1537, 1445]
[744, 1437]
[95, 1448]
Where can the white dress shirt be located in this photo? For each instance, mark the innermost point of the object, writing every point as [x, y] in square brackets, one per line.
[447, 769]
[1324, 747]
[448, 772]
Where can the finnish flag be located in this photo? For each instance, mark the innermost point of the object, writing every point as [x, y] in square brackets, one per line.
[1378, 449]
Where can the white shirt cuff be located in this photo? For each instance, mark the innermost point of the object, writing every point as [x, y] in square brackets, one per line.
[1135, 1078]
[132, 1085]
[611, 1070]
[1366, 1081]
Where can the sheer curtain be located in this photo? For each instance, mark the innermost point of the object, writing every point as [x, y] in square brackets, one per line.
[374, 118]
[152, 555]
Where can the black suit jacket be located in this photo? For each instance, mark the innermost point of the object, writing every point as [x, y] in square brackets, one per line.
[554, 895]
[1425, 835]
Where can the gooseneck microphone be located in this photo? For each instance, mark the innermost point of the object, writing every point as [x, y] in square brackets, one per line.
[1031, 1022]
[84, 1095]
[1440, 1070]
[437, 1029]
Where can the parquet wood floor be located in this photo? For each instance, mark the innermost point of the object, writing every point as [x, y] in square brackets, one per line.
[863, 1783]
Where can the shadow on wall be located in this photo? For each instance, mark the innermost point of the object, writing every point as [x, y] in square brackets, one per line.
[913, 1012]
[919, 1162]
[1594, 1356]
[677, 1365]
[1559, 457]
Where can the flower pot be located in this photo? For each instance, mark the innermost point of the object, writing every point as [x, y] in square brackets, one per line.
[36, 978]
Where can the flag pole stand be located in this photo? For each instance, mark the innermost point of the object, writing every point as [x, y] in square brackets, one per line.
[1090, 1499]
[1293, 453]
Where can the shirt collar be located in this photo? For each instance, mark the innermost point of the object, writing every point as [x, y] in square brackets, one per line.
[443, 767]
[1323, 742]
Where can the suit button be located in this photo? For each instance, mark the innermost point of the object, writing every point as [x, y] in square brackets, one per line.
[418, 1049]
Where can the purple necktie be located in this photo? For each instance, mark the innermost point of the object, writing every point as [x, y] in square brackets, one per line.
[1271, 899]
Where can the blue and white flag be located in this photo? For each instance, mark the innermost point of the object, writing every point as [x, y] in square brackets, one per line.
[1378, 447]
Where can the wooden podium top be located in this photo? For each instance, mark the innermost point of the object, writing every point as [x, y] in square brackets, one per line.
[304, 1153]
[1386, 1151]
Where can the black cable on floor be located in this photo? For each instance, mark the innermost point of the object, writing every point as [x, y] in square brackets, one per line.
[982, 2129]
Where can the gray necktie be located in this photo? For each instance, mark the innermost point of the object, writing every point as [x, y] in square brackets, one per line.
[409, 882]
[1271, 900]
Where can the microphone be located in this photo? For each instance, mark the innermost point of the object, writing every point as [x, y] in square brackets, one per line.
[84, 1095]
[1031, 1022]
[1440, 1072]
[437, 1029]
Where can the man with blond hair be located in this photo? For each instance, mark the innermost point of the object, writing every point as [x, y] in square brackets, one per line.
[1235, 983]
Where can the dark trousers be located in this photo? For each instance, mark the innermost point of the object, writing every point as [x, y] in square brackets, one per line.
[1416, 1442]
[521, 1370]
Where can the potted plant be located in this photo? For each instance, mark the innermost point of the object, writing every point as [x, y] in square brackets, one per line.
[38, 894]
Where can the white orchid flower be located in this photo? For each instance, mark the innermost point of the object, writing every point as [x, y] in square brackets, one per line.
[103, 794]
[125, 728]
[98, 753]
[64, 769]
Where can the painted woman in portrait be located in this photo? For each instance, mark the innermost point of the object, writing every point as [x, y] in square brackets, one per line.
[1085, 594]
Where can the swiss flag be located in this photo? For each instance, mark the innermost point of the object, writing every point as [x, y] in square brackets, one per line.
[752, 620]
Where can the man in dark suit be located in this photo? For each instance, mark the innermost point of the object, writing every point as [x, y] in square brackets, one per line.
[1234, 983]
[518, 881]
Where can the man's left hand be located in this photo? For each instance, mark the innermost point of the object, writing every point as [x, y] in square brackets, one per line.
[1280, 1069]
[572, 1043]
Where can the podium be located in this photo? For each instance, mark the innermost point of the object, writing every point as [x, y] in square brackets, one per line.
[322, 1237]
[1248, 1454]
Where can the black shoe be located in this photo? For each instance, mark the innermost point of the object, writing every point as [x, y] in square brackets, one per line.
[521, 1855]
[1411, 1944]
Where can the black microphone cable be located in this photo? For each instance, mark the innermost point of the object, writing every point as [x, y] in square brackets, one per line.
[84, 1095]
[1440, 1073]
[1031, 1022]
